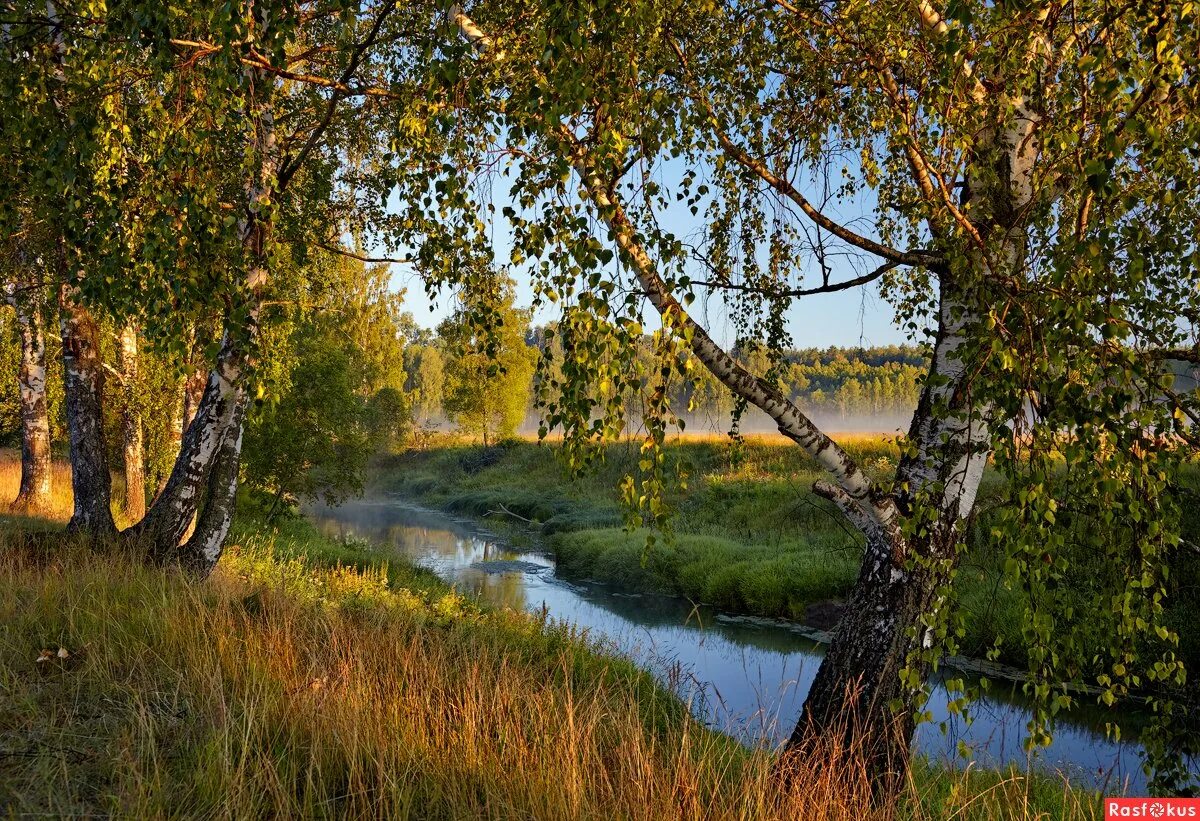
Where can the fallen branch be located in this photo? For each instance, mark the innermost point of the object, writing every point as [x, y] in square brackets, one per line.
[514, 515]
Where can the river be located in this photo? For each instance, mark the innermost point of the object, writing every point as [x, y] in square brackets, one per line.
[744, 677]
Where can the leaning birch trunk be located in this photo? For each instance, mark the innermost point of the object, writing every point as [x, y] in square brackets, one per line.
[859, 694]
[83, 374]
[860, 705]
[166, 524]
[131, 428]
[36, 481]
[203, 548]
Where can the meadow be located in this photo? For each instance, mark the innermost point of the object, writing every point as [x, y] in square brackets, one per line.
[748, 535]
[318, 678]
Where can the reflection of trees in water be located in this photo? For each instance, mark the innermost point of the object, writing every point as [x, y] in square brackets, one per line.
[500, 589]
[371, 516]
[419, 533]
[411, 531]
[423, 541]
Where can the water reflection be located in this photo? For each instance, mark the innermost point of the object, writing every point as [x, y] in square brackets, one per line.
[748, 679]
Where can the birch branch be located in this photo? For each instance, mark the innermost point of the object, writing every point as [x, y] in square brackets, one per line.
[856, 489]
[785, 187]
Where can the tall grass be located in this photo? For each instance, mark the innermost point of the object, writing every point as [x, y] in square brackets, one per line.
[283, 688]
[61, 498]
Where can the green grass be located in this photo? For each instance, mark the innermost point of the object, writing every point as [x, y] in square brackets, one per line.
[313, 678]
[733, 576]
[292, 538]
[750, 537]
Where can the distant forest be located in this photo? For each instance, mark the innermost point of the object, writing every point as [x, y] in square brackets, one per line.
[863, 387]
[847, 386]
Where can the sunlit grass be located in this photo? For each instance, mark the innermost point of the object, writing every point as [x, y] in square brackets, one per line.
[61, 498]
[283, 687]
[58, 511]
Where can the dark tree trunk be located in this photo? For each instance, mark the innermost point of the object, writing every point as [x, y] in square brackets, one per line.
[131, 428]
[36, 481]
[859, 709]
[276, 502]
[91, 481]
[203, 549]
[193, 392]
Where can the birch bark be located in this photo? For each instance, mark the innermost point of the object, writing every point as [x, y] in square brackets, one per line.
[131, 427]
[36, 478]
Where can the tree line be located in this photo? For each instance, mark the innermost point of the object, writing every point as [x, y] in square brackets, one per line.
[839, 383]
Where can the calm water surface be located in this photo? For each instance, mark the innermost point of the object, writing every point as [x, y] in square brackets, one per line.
[747, 679]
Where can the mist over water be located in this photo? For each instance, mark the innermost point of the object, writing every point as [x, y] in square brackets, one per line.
[756, 423]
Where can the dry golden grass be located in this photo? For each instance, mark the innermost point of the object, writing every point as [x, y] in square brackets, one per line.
[61, 497]
[281, 689]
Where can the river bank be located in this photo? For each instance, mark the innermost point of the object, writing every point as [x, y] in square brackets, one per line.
[319, 677]
[749, 536]
[743, 676]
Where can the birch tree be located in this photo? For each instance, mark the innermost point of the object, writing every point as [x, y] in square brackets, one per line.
[25, 292]
[181, 190]
[330, 71]
[1015, 177]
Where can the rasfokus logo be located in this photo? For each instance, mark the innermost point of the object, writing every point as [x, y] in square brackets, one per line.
[1151, 808]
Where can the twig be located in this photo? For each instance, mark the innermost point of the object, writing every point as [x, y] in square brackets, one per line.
[514, 515]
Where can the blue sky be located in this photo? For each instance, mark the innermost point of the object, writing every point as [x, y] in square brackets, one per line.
[846, 319]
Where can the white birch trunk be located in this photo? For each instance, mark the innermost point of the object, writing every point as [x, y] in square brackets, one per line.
[36, 473]
[203, 547]
[131, 427]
